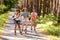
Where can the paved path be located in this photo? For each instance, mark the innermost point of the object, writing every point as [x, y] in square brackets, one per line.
[9, 33]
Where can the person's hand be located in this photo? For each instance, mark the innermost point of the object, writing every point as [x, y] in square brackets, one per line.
[29, 18]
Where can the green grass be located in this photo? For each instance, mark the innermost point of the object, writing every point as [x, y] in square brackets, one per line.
[3, 19]
[49, 26]
[51, 30]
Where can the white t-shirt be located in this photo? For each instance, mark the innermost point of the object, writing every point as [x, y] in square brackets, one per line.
[17, 18]
[34, 13]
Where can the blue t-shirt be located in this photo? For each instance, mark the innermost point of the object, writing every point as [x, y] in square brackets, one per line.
[25, 14]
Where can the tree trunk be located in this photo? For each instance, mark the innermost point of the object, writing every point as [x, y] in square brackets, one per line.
[59, 12]
[1, 2]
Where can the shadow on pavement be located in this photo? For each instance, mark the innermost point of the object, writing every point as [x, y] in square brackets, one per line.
[35, 36]
[4, 39]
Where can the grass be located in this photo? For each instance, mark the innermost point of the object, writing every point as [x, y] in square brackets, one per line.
[3, 19]
[52, 31]
[54, 37]
[49, 26]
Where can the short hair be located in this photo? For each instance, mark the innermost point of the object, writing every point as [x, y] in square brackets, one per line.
[17, 10]
[25, 9]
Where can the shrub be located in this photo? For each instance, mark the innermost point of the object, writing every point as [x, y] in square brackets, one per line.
[3, 18]
[47, 18]
[50, 29]
[53, 30]
[48, 24]
[2, 8]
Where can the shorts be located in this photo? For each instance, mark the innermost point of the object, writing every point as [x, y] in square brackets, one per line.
[17, 21]
[25, 20]
[33, 22]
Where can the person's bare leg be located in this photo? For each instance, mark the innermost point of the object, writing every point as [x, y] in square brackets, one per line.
[26, 25]
[15, 28]
[22, 25]
[19, 29]
[34, 26]
[31, 26]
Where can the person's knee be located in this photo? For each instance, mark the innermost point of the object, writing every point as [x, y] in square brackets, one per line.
[19, 25]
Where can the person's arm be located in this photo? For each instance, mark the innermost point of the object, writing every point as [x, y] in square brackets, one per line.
[30, 16]
[22, 17]
[27, 14]
[36, 15]
[13, 17]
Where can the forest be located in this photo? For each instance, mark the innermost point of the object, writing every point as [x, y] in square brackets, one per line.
[48, 20]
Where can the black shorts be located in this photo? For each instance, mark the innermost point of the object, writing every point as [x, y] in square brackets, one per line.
[17, 21]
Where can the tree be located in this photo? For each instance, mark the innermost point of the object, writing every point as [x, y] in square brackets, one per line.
[1, 1]
[10, 3]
